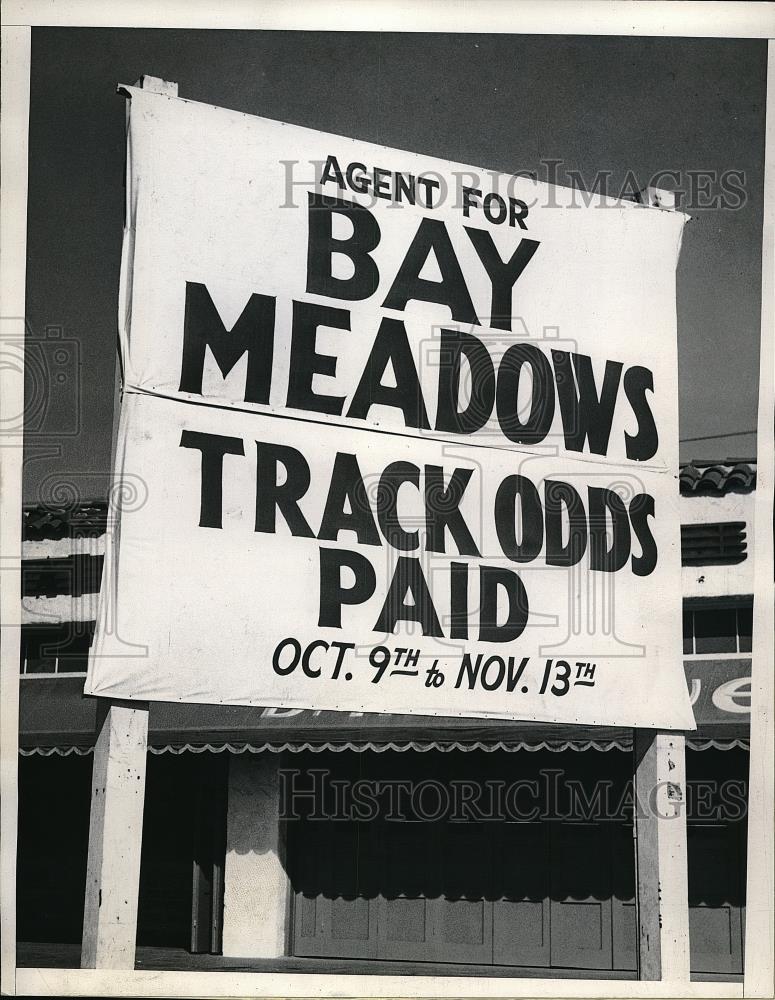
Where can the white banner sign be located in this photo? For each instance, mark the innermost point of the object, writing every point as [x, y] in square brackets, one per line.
[397, 434]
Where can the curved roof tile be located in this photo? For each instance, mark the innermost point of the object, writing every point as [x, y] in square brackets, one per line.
[717, 478]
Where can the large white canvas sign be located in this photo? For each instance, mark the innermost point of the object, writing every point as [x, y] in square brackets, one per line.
[401, 434]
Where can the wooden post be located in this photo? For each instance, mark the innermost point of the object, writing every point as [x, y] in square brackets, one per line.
[115, 836]
[661, 875]
[661, 865]
[118, 796]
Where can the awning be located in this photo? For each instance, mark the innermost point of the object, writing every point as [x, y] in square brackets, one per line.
[55, 717]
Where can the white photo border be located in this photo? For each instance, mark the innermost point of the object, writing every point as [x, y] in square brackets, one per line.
[566, 17]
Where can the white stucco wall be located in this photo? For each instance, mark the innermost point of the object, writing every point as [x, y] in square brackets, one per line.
[256, 888]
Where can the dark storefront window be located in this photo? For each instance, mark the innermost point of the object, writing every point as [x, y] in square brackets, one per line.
[717, 630]
[54, 798]
[520, 859]
[554, 891]
[744, 629]
[717, 783]
[180, 827]
[56, 649]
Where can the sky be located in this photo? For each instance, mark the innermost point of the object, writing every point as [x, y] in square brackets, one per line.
[632, 107]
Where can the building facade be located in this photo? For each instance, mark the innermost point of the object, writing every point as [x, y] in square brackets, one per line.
[322, 837]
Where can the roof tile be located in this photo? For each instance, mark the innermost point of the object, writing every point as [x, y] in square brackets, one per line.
[717, 478]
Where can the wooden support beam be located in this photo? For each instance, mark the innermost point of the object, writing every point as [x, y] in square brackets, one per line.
[659, 778]
[118, 792]
[115, 836]
[662, 888]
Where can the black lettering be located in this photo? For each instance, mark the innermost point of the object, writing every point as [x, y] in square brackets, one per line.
[491, 579]
[272, 496]
[332, 172]
[408, 580]
[561, 501]
[429, 183]
[455, 344]
[295, 647]
[458, 586]
[469, 670]
[382, 183]
[253, 332]
[213, 447]
[451, 291]
[539, 420]
[405, 188]
[641, 508]
[642, 445]
[332, 594]
[305, 363]
[391, 346]
[496, 676]
[323, 245]
[531, 518]
[347, 488]
[391, 480]
[442, 510]
[306, 666]
[584, 415]
[602, 558]
[503, 274]
[360, 184]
